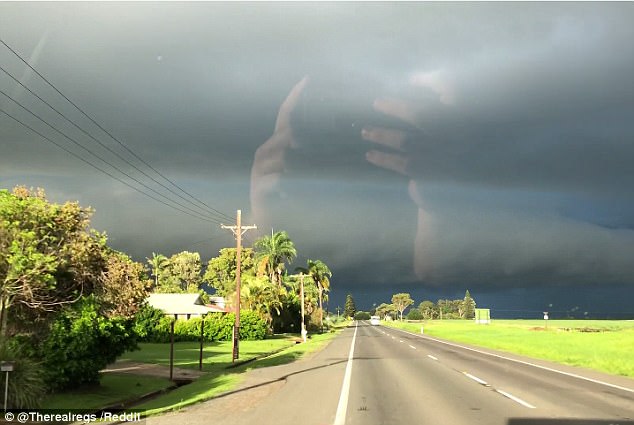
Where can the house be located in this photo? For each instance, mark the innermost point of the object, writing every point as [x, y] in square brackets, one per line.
[183, 306]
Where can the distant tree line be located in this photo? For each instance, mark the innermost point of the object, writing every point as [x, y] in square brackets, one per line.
[443, 309]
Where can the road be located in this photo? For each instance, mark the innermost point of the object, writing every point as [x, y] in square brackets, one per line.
[375, 375]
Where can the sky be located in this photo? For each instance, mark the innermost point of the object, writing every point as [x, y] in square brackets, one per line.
[414, 147]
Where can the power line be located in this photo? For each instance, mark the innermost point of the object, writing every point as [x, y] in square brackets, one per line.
[101, 159]
[100, 169]
[105, 146]
[110, 135]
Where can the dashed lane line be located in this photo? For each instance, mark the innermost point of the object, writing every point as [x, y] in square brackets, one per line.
[516, 399]
[475, 378]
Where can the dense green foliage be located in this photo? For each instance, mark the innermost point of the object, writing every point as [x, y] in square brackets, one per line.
[81, 342]
[414, 314]
[153, 326]
[361, 315]
[66, 298]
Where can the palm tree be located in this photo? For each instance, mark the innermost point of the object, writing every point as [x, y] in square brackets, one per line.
[271, 252]
[321, 274]
[158, 262]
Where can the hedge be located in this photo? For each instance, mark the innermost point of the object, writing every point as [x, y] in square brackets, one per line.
[217, 327]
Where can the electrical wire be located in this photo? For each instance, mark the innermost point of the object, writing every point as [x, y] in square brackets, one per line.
[97, 167]
[101, 159]
[205, 211]
[111, 136]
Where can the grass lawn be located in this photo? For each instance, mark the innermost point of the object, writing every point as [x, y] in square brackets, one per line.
[113, 388]
[216, 355]
[604, 345]
[219, 379]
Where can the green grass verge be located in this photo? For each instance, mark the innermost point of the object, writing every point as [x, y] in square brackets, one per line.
[216, 355]
[603, 345]
[219, 379]
[113, 388]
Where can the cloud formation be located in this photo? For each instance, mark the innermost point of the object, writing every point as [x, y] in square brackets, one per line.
[521, 152]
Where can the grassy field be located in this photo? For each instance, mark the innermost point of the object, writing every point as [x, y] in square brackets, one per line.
[603, 345]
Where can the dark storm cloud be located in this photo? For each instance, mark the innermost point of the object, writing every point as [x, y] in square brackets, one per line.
[523, 161]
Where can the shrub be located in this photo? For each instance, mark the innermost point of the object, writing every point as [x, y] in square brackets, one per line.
[414, 314]
[217, 327]
[252, 327]
[146, 322]
[81, 342]
[361, 315]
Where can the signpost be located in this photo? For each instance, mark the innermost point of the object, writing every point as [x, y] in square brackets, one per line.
[6, 367]
[546, 319]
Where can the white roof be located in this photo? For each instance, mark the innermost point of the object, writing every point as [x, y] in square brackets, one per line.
[179, 303]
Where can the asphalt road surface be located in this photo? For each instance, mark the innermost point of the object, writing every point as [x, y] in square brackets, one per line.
[374, 375]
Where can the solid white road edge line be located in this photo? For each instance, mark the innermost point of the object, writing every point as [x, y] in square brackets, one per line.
[550, 369]
[342, 407]
[516, 399]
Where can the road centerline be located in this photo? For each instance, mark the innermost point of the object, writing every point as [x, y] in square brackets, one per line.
[475, 378]
[515, 399]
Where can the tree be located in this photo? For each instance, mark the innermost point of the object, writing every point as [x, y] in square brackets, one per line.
[48, 257]
[401, 302]
[271, 253]
[66, 298]
[221, 270]
[468, 306]
[384, 310]
[349, 308]
[414, 314]
[261, 296]
[122, 279]
[428, 309]
[158, 263]
[185, 267]
[320, 274]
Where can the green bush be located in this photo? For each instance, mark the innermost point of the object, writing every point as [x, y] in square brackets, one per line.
[361, 315]
[217, 327]
[252, 327]
[414, 314]
[146, 322]
[81, 342]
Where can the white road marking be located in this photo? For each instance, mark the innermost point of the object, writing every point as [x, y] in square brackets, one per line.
[411, 346]
[475, 378]
[516, 399]
[400, 340]
[432, 357]
[572, 375]
[342, 407]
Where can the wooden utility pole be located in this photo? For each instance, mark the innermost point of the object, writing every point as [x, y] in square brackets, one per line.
[238, 230]
[301, 291]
